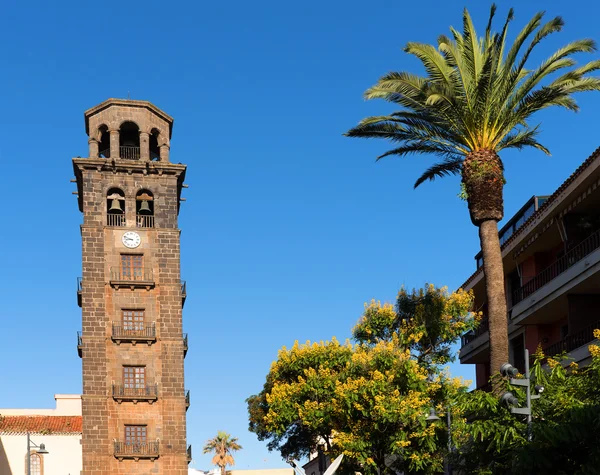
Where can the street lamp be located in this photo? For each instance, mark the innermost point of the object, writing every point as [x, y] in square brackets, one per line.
[432, 417]
[509, 371]
[41, 451]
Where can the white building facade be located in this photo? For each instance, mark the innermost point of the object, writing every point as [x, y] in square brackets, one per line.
[58, 429]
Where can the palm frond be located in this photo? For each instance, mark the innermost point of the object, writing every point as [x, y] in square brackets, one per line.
[439, 170]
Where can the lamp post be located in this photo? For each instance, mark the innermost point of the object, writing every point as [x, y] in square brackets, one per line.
[41, 450]
[432, 417]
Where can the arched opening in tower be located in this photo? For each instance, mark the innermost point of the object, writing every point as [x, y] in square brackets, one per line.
[129, 141]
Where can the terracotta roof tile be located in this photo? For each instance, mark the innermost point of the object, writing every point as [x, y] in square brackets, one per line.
[588, 161]
[40, 424]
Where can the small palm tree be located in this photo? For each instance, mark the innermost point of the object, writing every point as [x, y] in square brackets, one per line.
[222, 446]
[475, 100]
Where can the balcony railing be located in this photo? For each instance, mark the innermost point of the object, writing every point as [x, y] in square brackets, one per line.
[134, 332]
[187, 399]
[483, 327]
[129, 153]
[115, 219]
[183, 292]
[79, 291]
[570, 342]
[136, 450]
[127, 392]
[79, 344]
[576, 254]
[131, 277]
[189, 454]
[185, 344]
[144, 221]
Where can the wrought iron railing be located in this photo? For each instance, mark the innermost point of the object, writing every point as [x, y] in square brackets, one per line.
[187, 399]
[129, 153]
[131, 274]
[115, 219]
[189, 453]
[183, 289]
[585, 247]
[130, 392]
[79, 290]
[144, 221]
[483, 327]
[134, 330]
[79, 344]
[570, 342]
[136, 449]
[185, 343]
[104, 153]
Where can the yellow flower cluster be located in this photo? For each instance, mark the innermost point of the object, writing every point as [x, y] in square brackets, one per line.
[594, 350]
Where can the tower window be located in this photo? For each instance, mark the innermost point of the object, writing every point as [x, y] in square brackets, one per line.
[133, 320]
[154, 149]
[135, 435]
[144, 209]
[103, 142]
[115, 207]
[134, 377]
[132, 267]
[129, 141]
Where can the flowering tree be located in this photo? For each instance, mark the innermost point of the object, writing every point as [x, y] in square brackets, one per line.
[368, 400]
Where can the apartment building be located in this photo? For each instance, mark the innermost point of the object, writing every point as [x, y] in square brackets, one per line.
[551, 257]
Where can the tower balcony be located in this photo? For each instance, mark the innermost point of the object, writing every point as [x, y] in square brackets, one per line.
[130, 392]
[79, 291]
[134, 333]
[136, 450]
[187, 399]
[189, 454]
[185, 344]
[79, 344]
[133, 278]
[183, 292]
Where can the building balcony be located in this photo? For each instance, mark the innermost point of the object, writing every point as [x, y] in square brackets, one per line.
[143, 221]
[575, 344]
[484, 327]
[183, 292]
[559, 266]
[189, 454]
[132, 278]
[79, 344]
[79, 291]
[134, 333]
[116, 220]
[129, 153]
[127, 392]
[136, 450]
[185, 344]
[187, 399]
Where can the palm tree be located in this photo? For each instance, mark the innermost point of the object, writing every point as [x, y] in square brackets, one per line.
[475, 100]
[222, 446]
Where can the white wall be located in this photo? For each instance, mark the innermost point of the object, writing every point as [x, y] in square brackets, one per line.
[64, 455]
[66, 405]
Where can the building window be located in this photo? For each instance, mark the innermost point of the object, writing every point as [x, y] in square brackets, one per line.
[144, 209]
[115, 207]
[134, 377]
[133, 320]
[132, 267]
[135, 435]
[36, 464]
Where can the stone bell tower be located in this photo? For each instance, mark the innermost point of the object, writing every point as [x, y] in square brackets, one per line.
[131, 294]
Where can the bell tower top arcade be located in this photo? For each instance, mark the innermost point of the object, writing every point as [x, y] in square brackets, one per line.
[128, 129]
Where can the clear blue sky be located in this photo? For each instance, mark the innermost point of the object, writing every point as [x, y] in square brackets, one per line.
[288, 227]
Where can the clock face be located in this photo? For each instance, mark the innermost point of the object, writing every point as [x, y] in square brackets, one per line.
[131, 239]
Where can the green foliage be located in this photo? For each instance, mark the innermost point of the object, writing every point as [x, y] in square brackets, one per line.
[477, 93]
[223, 446]
[369, 400]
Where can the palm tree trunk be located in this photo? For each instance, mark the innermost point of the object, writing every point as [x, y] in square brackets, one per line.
[496, 297]
[224, 470]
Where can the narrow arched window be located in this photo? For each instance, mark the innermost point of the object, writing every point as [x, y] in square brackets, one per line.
[115, 207]
[154, 149]
[36, 464]
[144, 209]
[103, 142]
[129, 141]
